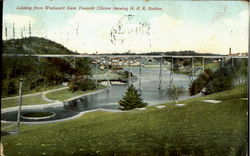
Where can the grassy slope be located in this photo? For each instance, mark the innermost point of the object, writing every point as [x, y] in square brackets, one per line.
[198, 128]
[67, 94]
[36, 90]
[37, 99]
[31, 100]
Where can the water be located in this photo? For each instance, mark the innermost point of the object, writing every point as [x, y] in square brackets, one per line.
[109, 99]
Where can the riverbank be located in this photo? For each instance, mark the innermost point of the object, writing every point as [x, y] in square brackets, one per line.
[186, 69]
[197, 128]
[67, 94]
[47, 97]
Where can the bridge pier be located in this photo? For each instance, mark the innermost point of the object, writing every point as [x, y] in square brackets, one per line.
[71, 60]
[160, 75]
[96, 83]
[107, 72]
[203, 64]
[140, 74]
[232, 61]
[191, 72]
[129, 74]
[74, 62]
[39, 64]
[222, 62]
[171, 77]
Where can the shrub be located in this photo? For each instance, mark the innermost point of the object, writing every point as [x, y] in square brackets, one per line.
[201, 82]
[81, 84]
[174, 92]
[132, 99]
[220, 80]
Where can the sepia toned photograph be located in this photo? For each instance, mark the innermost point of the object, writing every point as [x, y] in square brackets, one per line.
[124, 78]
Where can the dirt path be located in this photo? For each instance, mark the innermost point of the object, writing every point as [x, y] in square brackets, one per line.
[34, 94]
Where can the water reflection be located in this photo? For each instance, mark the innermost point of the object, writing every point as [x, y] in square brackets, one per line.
[149, 85]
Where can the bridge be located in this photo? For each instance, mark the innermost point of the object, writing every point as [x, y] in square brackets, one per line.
[107, 57]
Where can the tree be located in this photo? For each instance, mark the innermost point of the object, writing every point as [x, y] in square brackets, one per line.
[213, 82]
[174, 92]
[201, 82]
[222, 80]
[132, 99]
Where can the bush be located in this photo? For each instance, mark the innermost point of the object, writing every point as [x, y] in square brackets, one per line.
[174, 92]
[132, 99]
[221, 80]
[201, 82]
[81, 84]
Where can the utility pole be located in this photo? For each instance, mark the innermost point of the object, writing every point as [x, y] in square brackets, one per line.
[160, 75]
[21, 32]
[14, 30]
[77, 27]
[6, 32]
[96, 68]
[129, 73]
[24, 31]
[29, 30]
[20, 105]
[171, 77]
[108, 82]
[140, 77]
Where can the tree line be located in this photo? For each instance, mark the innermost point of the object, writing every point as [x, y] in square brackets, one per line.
[39, 74]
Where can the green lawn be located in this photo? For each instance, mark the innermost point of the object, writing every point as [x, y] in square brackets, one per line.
[38, 89]
[30, 100]
[65, 94]
[198, 128]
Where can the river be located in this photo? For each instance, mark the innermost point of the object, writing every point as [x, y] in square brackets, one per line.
[109, 99]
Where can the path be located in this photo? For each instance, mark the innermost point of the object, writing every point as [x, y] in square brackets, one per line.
[34, 94]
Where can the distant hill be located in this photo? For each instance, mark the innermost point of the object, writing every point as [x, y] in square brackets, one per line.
[34, 45]
[187, 52]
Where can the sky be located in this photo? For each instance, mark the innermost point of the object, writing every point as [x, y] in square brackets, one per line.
[201, 26]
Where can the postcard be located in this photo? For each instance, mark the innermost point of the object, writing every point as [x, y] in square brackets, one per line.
[124, 77]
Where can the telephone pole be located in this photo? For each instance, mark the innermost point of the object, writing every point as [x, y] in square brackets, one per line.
[77, 28]
[29, 29]
[14, 30]
[20, 105]
[6, 32]
[21, 32]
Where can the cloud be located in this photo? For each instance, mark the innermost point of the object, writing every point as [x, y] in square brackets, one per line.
[93, 31]
[172, 34]
[167, 33]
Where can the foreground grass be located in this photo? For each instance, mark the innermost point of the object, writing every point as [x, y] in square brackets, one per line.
[198, 128]
[65, 94]
[29, 100]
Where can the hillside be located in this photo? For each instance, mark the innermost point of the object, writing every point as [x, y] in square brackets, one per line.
[198, 128]
[34, 45]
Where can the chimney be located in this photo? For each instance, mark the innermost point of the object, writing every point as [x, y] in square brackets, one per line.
[230, 51]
